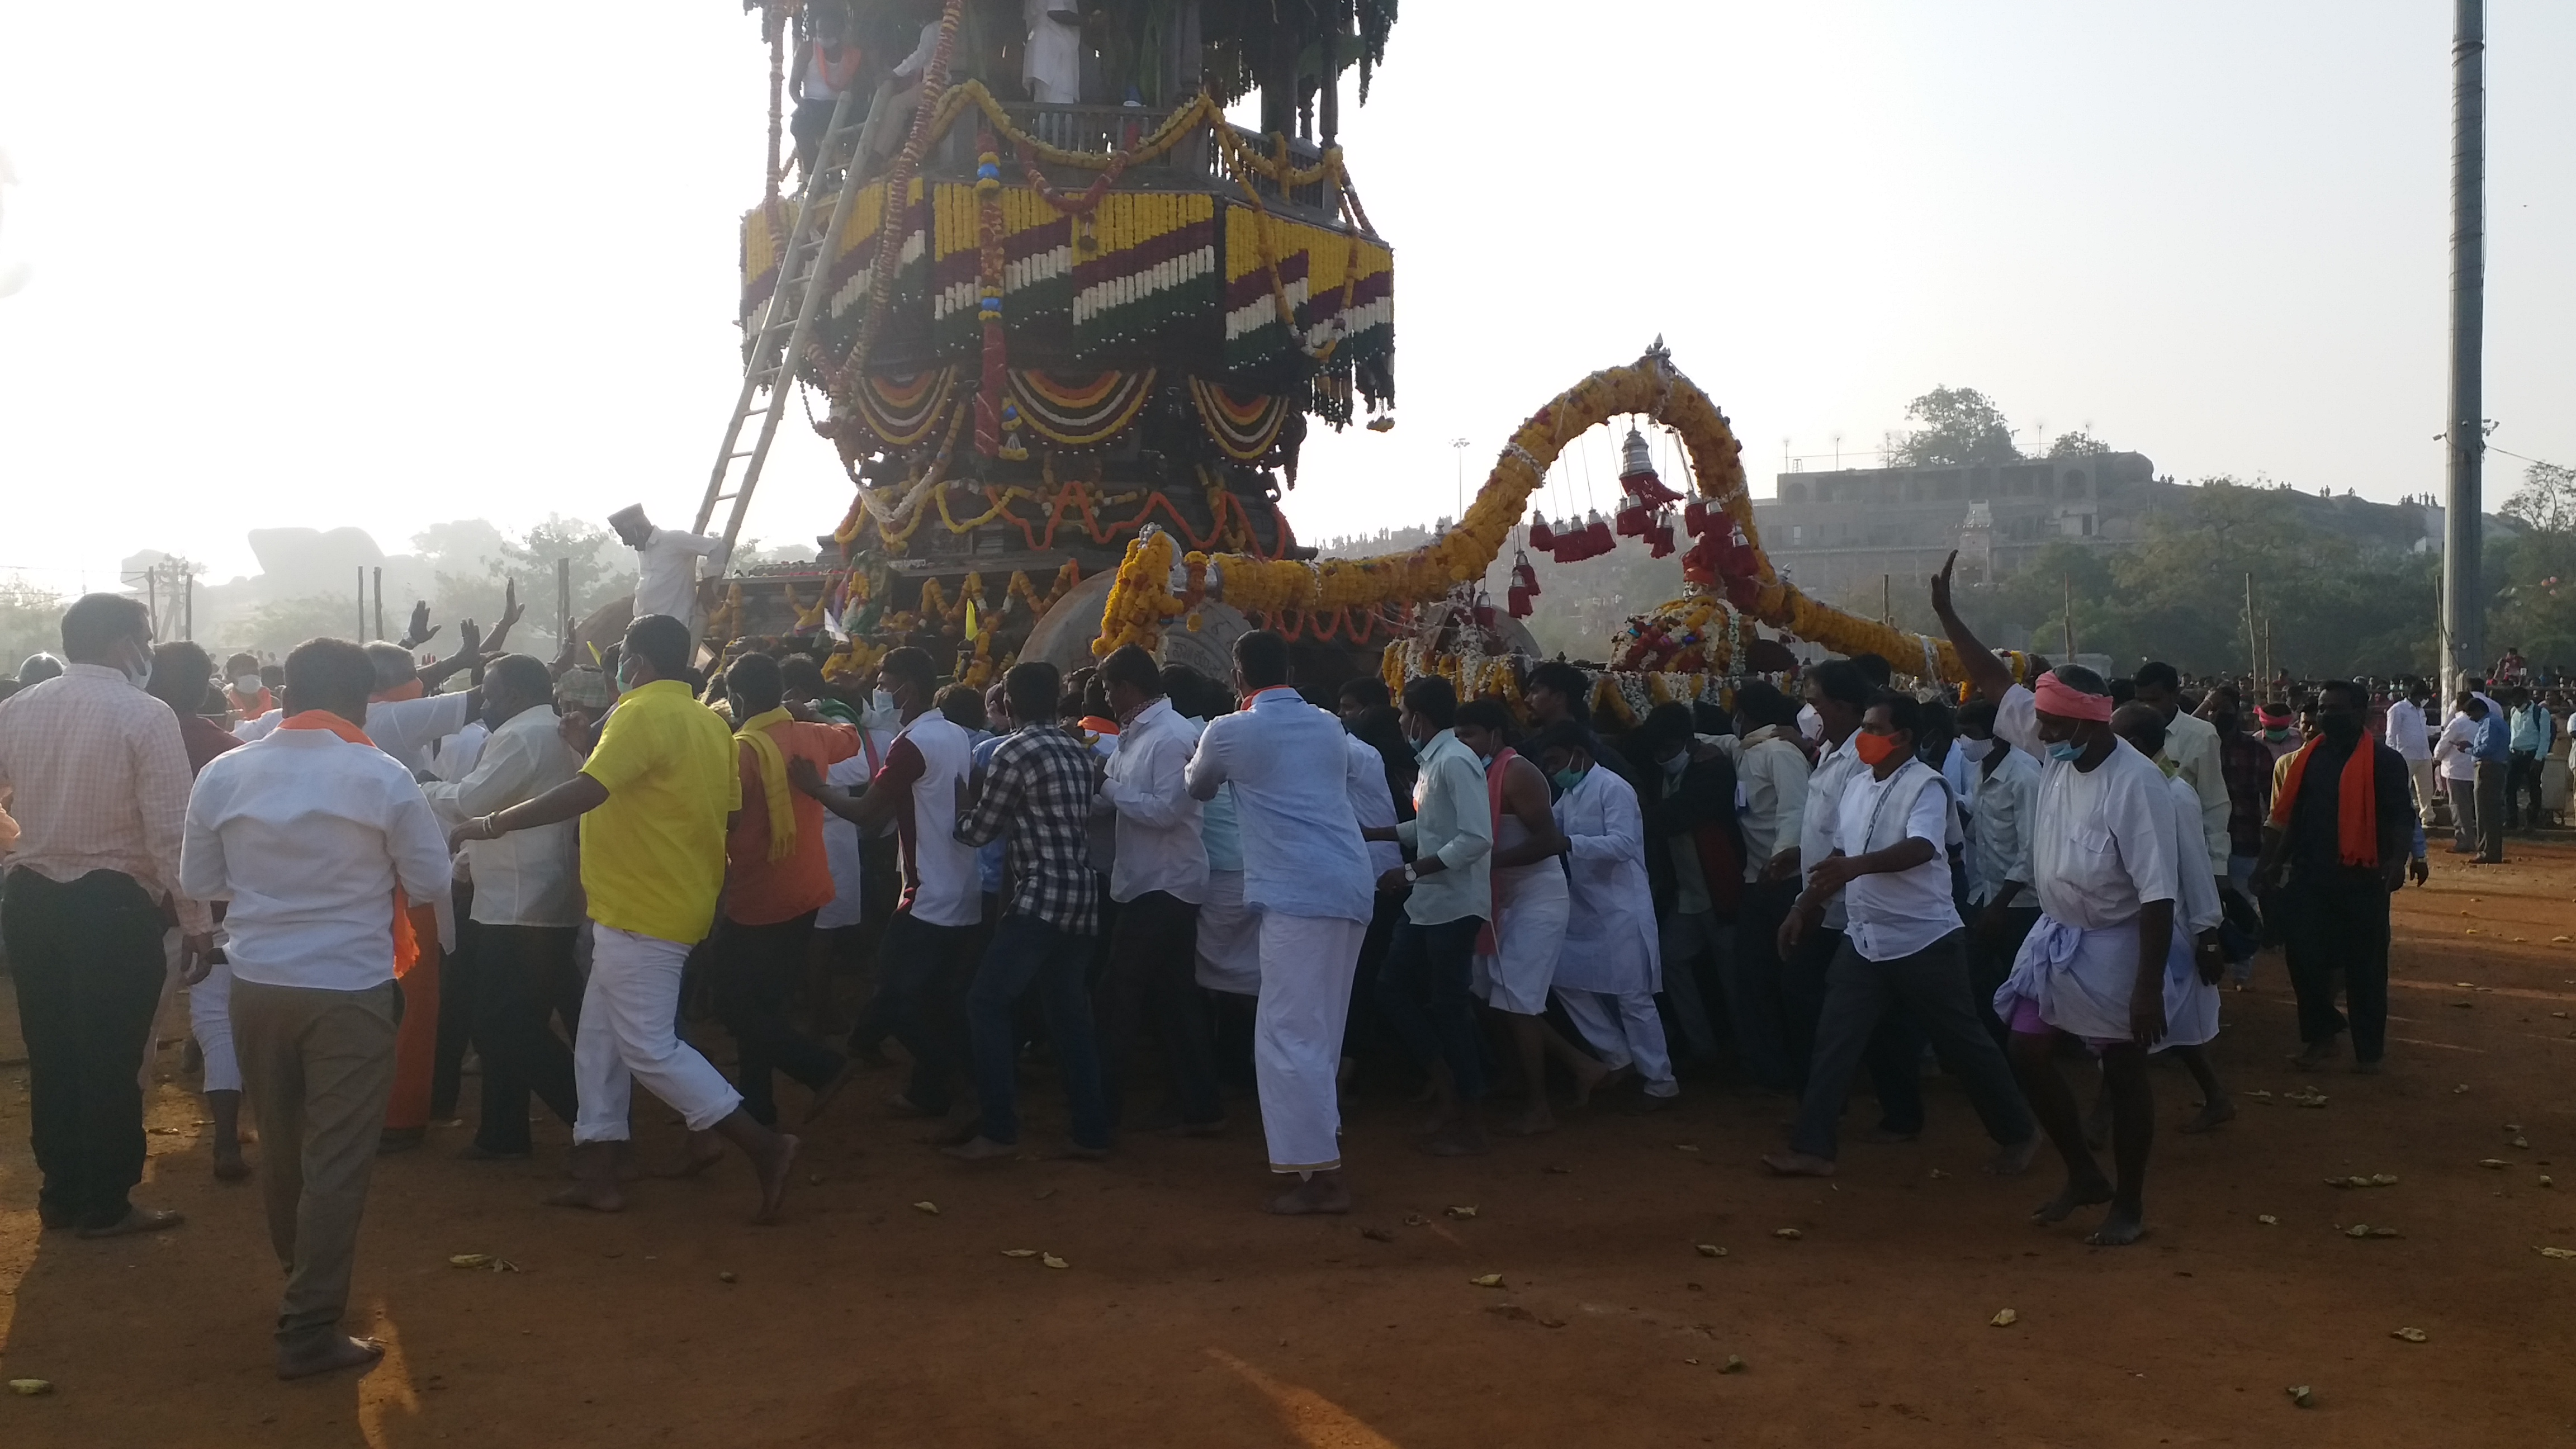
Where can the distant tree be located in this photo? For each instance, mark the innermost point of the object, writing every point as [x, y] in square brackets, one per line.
[602, 568]
[277, 627]
[1959, 425]
[2077, 445]
[2546, 501]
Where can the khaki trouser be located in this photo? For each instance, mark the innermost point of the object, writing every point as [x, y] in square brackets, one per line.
[317, 1067]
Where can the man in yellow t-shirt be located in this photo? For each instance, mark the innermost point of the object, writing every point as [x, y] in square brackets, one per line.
[655, 798]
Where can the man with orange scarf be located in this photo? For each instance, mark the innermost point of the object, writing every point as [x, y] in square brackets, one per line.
[320, 841]
[2343, 827]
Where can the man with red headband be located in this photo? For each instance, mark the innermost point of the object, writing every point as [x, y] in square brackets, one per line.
[2104, 859]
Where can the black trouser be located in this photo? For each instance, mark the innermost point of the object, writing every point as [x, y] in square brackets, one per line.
[460, 975]
[2491, 809]
[756, 970]
[1990, 961]
[2337, 920]
[1364, 1029]
[1427, 989]
[1932, 985]
[922, 974]
[86, 957]
[526, 975]
[1757, 994]
[1153, 971]
[2522, 791]
[1895, 1052]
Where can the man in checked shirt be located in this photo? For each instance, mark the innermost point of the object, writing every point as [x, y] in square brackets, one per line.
[1037, 792]
[96, 774]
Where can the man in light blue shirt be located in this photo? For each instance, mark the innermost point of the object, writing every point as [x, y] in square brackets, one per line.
[1305, 873]
[1427, 985]
[2531, 733]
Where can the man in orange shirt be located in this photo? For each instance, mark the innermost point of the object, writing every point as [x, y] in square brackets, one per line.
[779, 879]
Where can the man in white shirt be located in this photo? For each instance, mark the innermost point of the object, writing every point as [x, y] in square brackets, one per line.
[2191, 983]
[2457, 752]
[2411, 737]
[1902, 943]
[1773, 772]
[1426, 988]
[2104, 861]
[1052, 66]
[1159, 878]
[2003, 797]
[927, 955]
[1608, 973]
[2191, 746]
[666, 566]
[1305, 872]
[899, 95]
[317, 839]
[526, 908]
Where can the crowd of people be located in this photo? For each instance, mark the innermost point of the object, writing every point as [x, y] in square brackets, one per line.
[1165, 887]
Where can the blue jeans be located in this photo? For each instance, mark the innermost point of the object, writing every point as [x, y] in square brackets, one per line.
[1427, 990]
[1026, 948]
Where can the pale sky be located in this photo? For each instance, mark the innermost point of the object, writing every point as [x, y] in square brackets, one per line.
[383, 265]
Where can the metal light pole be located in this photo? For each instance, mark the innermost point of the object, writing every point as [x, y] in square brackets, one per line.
[2463, 597]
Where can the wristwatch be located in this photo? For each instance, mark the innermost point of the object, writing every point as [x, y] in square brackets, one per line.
[1411, 875]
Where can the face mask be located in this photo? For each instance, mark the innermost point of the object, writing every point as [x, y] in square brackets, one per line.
[2066, 752]
[2340, 727]
[1678, 763]
[1567, 779]
[2169, 767]
[1874, 750]
[623, 686]
[2277, 734]
[246, 683]
[139, 675]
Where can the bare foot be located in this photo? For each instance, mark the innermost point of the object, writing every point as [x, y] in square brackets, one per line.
[706, 1149]
[2078, 1193]
[980, 1148]
[229, 1166]
[622, 1165]
[1458, 1142]
[2366, 1069]
[2014, 1159]
[337, 1352]
[136, 1220]
[1647, 1103]
[1325, 1192]
[2211, 1114]
[1587, 1081]
[2316, 1054]
[1798, 1164]
[773, 1178]
[1528, 1124]
[2120, 1227]
[1888, 1137]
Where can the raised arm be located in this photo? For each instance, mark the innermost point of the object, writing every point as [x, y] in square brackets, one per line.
[1984, 669]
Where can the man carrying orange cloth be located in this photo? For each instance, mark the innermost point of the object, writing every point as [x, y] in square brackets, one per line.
[320, 842]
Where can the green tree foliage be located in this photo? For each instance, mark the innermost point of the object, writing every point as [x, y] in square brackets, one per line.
[1959, 425]
[2333, 606]
[2077, 445]
[2535, 607]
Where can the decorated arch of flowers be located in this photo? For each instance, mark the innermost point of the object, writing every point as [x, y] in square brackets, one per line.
[1683, 646]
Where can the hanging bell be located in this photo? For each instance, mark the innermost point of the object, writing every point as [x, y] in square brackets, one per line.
[1517, 599]
[1695, 517]
[1598, 532]
[1541, 537]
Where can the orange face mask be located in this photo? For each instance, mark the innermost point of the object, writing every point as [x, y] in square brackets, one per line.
[1874, 750]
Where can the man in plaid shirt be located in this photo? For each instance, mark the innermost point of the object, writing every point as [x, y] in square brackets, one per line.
[1037, 791]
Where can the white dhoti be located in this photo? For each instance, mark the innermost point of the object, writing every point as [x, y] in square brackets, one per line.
[2080, 981]
[1306, 967]
[1625, 1029]
[630, 1011]
[1229, 938]
[1529, 932]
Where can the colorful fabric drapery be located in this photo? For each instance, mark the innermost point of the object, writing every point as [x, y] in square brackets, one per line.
[1077, 411]
[903, 409]
[1243, 425]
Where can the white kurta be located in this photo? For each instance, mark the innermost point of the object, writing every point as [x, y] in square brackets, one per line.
[2191, 1004]
[1610, 941]
[2105, 844]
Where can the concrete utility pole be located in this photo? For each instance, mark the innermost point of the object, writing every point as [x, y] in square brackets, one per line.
[2463, 595]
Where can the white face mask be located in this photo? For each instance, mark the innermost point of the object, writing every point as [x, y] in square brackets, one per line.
[881, 712]
[246, 683]
[138, 669]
